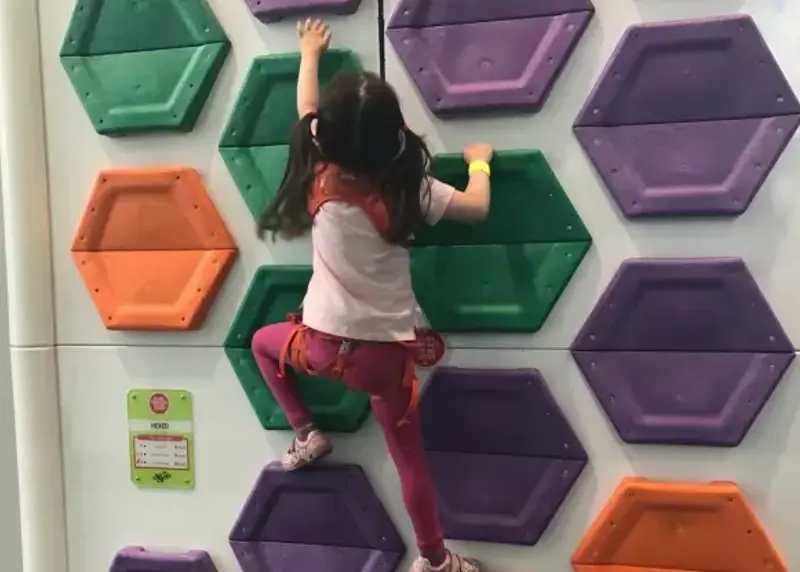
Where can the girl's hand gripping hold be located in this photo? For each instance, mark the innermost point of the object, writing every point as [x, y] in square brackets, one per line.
[473, 204]
[478, 153]
[315, 37]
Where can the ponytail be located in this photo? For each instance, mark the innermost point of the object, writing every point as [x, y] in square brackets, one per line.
[406, 185]
[286, 215]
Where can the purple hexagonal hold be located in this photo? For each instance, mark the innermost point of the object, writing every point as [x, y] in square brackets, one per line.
[275, 10]
[502, 454]
[688, 118]
[139, 559]
[426, 13]
[475, 55]
[683, 351]
[321, 518]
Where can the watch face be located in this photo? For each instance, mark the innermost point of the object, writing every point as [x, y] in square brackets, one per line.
[432, 348]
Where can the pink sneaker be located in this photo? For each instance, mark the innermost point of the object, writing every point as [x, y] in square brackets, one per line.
[453, 563]
[303, 453]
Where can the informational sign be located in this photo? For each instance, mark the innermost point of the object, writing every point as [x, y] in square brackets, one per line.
[161, 438]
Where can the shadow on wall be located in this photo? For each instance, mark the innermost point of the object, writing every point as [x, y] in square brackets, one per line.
[653, 10]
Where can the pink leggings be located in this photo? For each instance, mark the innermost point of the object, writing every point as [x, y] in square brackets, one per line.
[376, 369]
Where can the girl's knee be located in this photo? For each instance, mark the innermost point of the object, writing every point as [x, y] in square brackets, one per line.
[269, 340]
[258, 341]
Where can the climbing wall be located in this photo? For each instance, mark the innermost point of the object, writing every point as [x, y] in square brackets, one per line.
[618, 390]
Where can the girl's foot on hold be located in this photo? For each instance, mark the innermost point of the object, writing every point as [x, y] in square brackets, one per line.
[452, 563]
[303, 452]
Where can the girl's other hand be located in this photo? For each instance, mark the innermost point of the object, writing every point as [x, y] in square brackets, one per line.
[478, 152]
[315, 37]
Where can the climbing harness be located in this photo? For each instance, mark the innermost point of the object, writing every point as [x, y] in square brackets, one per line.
[333, 184]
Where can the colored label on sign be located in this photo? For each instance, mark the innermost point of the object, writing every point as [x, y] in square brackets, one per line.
[161, 438]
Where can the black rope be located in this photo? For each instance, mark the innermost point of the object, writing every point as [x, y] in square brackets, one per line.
[381, 40]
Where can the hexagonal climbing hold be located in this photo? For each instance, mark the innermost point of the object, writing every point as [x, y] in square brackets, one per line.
[255, 142]
[503, 455]
[152, 249]
[476, 55]
[275, 292]
[112, 48]
[528, 204]
[650, 525]
[349, 530]
[688, 118]
[683, 351]
[266, 109]
[138, 559]
[275, 10]
[504, 274]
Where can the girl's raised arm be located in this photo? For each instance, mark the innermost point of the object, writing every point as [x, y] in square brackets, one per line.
[315, 36]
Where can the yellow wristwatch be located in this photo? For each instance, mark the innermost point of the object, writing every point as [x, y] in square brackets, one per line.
[481, 166]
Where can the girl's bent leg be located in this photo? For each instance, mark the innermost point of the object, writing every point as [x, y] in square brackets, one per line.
[408, 452]
[267, 344]
[309, 444]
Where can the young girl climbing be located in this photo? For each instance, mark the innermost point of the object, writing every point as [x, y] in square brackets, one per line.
[358, 179]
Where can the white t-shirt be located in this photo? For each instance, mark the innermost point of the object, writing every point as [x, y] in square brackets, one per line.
[361, 285]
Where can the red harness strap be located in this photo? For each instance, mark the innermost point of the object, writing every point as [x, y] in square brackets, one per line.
[333, 184]
[295, 351]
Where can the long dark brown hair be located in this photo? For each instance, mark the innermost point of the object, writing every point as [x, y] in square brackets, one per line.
[360, 128]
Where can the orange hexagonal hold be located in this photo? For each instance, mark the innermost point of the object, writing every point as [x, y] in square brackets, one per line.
[650, 526]
[152, 248]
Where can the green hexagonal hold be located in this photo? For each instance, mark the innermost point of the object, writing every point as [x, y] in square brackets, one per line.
[143, 65]
[495, 288]
[274, 292]
[257, 173]
[254, 144]
[506, 273]
[528, 204]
